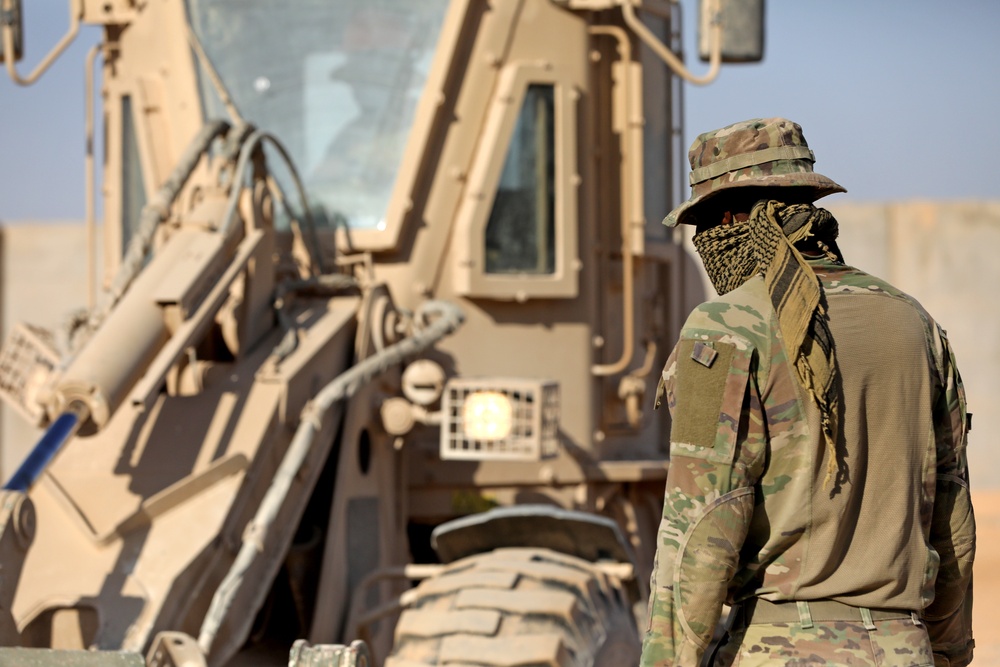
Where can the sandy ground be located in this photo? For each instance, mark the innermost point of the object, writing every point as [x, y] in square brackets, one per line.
[986, 579]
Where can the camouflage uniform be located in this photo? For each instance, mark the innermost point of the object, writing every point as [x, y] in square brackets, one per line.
[747, 519]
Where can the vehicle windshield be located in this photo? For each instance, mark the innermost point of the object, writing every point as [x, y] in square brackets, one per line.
[337, 82]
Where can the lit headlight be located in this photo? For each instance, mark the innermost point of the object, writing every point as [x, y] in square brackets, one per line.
[487, 415]
[498, 418]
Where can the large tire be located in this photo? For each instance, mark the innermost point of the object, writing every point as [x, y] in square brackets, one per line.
[518, 607]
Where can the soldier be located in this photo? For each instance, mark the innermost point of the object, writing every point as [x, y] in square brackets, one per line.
[818, 480]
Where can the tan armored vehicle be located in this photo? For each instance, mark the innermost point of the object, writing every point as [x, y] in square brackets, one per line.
[385, 297]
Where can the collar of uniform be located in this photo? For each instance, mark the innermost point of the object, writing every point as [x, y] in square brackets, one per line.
[822, 261]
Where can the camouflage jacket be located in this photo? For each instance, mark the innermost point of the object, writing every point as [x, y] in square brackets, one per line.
[746, 512]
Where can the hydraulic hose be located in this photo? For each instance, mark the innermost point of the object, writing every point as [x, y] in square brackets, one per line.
[345, 385]
[154, 212]
[328, 284]
[157, 209]
[246, 152]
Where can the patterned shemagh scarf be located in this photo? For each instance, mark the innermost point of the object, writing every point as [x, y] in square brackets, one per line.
[764, 245]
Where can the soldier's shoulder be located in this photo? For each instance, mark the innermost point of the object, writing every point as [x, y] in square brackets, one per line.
[851, 280]
[745, 312]
[846, 279]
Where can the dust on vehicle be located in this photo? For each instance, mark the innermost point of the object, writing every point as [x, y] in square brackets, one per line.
[382, 310]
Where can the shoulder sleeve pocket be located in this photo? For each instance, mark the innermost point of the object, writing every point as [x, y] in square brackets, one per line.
[710, 392]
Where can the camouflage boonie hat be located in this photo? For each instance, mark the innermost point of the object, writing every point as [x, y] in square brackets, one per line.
[757, 152]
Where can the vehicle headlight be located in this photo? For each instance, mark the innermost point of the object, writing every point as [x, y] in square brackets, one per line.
[496, 418]
[487, 415]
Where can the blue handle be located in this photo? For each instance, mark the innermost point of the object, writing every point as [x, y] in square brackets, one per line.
[61, 430]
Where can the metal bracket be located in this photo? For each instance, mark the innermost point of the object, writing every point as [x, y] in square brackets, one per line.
[175, 649]
[329, 655]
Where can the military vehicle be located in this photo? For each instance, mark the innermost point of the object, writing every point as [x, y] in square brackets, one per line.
[385, 298]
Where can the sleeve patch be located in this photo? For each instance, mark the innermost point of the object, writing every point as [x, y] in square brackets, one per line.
[702, 371]
[704, 354]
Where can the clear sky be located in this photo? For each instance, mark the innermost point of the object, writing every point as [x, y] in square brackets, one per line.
[898, 98]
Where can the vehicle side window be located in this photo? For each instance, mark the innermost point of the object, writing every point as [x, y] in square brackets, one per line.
[133, 188]
[516, 230]
[520, 232]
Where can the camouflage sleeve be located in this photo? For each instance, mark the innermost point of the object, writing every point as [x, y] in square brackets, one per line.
[716, 433]
[953, 525]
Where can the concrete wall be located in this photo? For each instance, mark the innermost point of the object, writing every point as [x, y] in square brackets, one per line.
[941, 253]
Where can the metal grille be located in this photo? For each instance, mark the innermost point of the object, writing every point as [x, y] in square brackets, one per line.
[534, 420]
[27, 360]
